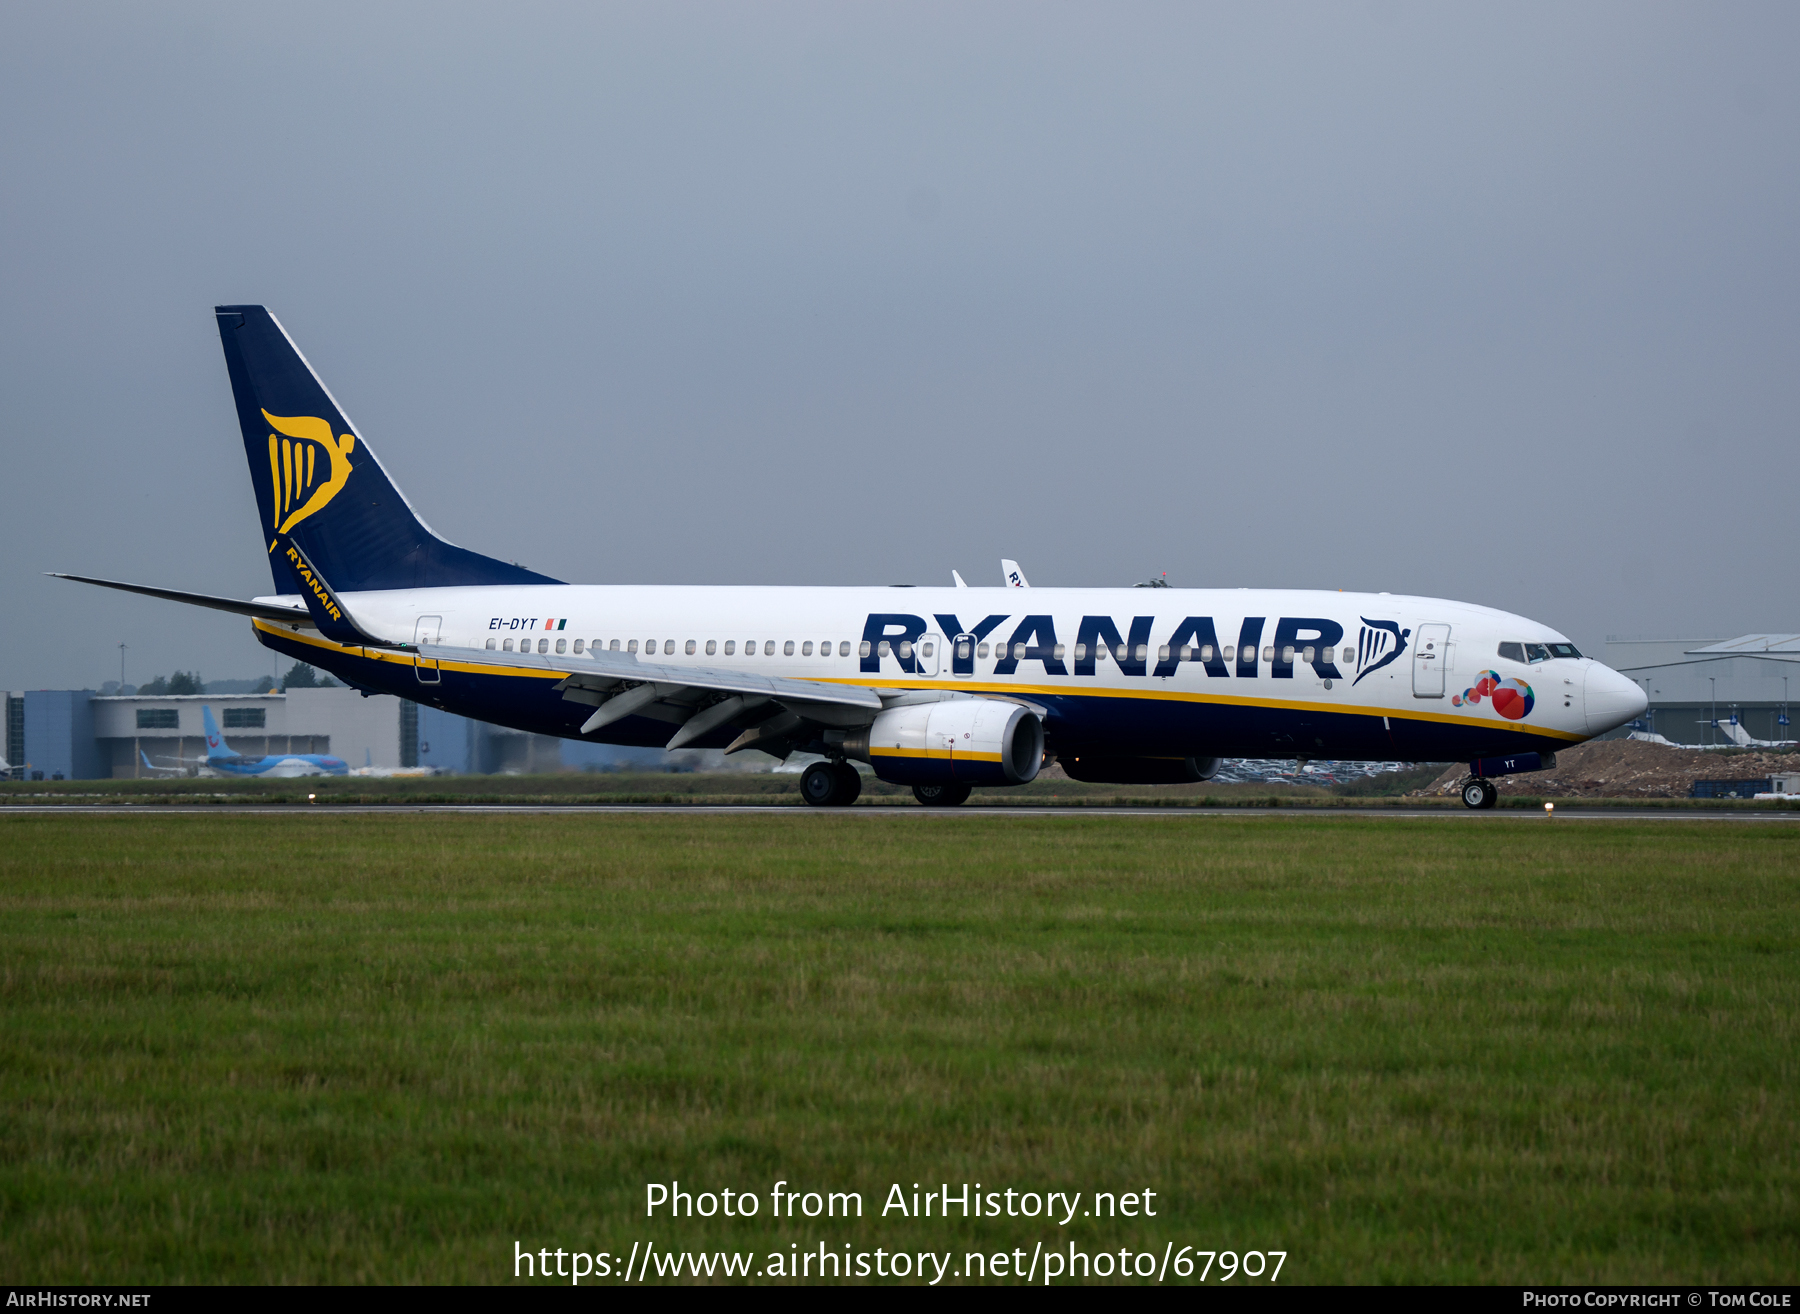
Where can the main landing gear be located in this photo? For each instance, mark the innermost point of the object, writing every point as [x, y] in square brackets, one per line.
[941, 796]
[1480, 792]
[830, 784]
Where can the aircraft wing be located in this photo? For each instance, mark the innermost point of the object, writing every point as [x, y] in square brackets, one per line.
[274, 611]
[695, 699]
[176, 770]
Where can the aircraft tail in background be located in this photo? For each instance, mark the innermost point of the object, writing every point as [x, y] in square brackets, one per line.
[215, 741]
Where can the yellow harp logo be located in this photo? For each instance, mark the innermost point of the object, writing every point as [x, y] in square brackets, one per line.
[304, 483]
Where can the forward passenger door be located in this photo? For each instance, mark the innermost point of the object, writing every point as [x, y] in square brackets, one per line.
[1431, 653]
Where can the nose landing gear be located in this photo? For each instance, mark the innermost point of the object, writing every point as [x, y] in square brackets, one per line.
[1479, 792]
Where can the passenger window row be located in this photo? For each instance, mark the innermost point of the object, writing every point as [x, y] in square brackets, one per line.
[1534, 652]
[1202, 653]
[691, 647]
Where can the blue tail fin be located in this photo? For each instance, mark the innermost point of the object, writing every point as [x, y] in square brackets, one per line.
[215, 742]
[317, 481]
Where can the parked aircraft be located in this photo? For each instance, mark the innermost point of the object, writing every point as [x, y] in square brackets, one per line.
[1743, 738]
[938, 688]
[220, 758]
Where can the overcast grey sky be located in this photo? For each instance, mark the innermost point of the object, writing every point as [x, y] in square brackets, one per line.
[1497, 303]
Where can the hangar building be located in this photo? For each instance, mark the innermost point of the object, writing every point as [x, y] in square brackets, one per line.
[80, 735]
[1694, 682]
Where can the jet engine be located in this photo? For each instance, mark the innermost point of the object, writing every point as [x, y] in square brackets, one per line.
[962, 741]
[1097, 770]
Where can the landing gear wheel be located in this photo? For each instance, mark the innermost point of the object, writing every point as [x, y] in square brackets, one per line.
[849, 784]
[821, 786]
[941, 796]
[1480, 793]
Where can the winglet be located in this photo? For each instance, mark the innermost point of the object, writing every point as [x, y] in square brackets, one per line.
[959, 580]
[328, 611]
[1015, 578]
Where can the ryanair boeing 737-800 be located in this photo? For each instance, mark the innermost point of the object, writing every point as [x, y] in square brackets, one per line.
[938, 688]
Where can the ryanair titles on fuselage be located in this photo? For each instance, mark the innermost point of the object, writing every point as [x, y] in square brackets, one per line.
[1059, 639]
[1099, 640]
[1311, 639]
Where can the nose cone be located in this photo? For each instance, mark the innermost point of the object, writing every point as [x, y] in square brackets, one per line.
[1611, 699]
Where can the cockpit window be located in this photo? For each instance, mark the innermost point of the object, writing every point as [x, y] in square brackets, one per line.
[1513, 652]
[1536, 652]
[1563, 650]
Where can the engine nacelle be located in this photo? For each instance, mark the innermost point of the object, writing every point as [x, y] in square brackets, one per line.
[1096, 770]
[961, 741]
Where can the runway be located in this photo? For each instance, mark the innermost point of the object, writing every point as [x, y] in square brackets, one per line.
[1569, 813]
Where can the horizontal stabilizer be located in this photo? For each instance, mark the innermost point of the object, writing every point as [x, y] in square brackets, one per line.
[261, 610]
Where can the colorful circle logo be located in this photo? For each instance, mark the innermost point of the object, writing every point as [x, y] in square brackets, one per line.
[1513, 699]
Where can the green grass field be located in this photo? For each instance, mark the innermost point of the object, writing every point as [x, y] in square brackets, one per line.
[385, 1047]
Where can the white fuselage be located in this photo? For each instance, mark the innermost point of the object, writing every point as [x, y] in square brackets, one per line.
[1112, 664]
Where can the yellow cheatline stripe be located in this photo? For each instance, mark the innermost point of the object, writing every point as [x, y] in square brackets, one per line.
[397, 658]
[968, 686]
[943, 753]
[1228, 700]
